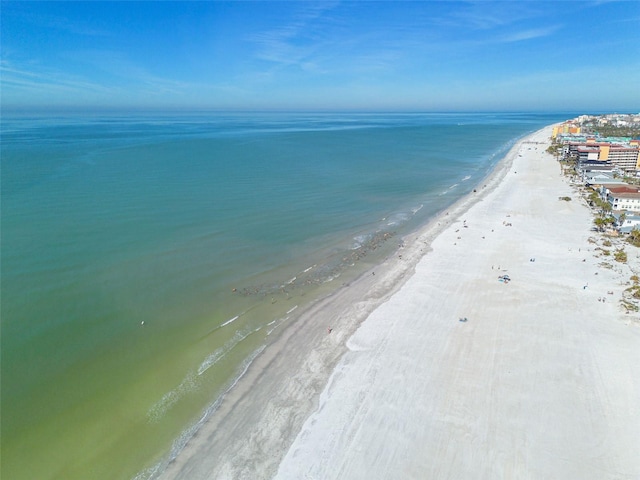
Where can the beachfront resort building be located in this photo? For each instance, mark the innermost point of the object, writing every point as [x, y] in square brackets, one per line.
[569, 126]
[623, 198]
[625, 157]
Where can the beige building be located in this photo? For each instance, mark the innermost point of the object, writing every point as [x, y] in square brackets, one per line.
[625, 157]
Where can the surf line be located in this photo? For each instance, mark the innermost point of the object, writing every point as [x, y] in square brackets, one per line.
[231, 320]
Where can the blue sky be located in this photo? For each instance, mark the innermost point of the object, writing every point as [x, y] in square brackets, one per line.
[262, 55]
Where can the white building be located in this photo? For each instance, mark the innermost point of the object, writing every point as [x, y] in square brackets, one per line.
[628, 223]
[624, 198]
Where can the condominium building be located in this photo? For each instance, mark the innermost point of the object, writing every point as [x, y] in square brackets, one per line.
[625, 157]
[566, 127]
[624, 198]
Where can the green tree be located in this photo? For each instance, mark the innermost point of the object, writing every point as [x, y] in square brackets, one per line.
[594, 198]
[622, 218]
[634, 237]
[599, 223]
[605, 207]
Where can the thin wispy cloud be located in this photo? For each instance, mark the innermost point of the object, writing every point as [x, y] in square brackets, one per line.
[127, 71]
[529, 34]
[39, 82]
[44, 78]
[297, 41]
[35, 84]
[489, 16]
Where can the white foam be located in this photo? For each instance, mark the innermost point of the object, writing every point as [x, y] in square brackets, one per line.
[398, 219]
[291, 310]
[331, 278]
[219, 353]
[279, 322]
[360, 240]
[211, 360]
[231, 320]
[169, 399]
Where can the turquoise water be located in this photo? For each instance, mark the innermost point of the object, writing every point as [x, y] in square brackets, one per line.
[147, 259]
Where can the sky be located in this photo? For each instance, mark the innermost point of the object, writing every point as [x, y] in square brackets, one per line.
[303, 55]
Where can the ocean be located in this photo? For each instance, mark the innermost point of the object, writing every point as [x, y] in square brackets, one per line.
[147, 259]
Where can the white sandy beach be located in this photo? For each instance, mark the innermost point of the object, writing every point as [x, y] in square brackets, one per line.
[542, 381]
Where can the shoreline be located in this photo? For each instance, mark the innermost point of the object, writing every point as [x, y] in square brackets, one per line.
[309, 335]
[269, 415]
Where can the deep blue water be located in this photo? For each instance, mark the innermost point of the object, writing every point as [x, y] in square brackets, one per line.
[146, 259]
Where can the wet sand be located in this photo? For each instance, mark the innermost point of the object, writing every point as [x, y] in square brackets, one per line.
[540, 381]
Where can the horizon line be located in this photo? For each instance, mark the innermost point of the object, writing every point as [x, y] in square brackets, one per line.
[34, 110]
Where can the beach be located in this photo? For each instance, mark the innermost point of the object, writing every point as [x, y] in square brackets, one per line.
[434, 365]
